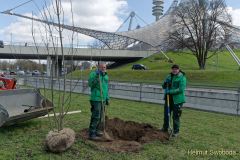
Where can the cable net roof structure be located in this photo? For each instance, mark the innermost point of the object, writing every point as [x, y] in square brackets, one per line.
[153, 35]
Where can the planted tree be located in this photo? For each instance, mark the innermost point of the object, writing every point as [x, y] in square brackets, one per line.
[59, 138]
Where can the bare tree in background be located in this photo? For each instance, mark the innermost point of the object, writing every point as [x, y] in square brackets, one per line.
[197, 28]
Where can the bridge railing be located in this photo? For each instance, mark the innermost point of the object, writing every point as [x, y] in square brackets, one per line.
[31, 44]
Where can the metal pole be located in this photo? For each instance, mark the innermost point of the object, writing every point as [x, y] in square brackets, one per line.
[11, 39]
[132, 15]
[36, 82]
[140, 98]
[238, 103]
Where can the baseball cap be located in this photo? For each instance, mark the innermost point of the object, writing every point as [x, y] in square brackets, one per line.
[175, 66]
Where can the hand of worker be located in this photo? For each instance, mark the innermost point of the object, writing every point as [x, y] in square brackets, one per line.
[167, 91]
[98, 72]
[167, 83]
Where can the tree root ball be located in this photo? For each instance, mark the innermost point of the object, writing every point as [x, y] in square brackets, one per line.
[60, 141]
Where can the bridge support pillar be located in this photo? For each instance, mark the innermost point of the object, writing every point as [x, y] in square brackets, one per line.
[60, 65]
[57, 67]
[49, 66]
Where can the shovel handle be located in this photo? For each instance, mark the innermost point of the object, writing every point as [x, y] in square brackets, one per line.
[168, 109]
[168, 100]
[103, 106]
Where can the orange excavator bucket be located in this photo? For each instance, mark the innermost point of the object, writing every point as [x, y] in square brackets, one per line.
[9, 83]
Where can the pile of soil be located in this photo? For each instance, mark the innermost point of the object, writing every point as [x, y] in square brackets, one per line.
[128, 136]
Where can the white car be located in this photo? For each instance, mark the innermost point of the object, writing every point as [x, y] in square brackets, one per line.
[20, 73]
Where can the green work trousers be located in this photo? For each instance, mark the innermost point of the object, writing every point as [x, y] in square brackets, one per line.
[95, 122]
[176, 110]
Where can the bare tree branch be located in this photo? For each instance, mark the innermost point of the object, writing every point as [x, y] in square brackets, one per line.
[197, 27]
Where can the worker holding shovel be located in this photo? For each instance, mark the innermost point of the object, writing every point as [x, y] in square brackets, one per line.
[174, 86]
[98, 82]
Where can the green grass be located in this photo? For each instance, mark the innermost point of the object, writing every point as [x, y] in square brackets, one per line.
[225, 74]
[221, 62]
[199, 131]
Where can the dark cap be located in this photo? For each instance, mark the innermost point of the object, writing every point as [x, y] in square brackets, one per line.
[175, 66]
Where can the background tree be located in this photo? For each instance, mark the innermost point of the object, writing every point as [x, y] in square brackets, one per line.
[197, 28]
[26, 65]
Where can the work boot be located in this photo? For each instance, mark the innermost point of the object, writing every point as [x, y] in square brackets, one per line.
[99, 134]
[174, 135]
[94, 137]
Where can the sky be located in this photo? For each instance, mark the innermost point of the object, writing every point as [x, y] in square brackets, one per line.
[105, 15]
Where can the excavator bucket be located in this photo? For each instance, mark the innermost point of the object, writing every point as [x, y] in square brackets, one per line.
[21, 105]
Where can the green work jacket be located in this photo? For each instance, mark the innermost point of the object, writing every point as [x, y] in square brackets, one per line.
[177, 88]
[94, 84]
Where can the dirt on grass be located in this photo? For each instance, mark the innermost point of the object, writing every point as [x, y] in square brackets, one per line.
[128, 136]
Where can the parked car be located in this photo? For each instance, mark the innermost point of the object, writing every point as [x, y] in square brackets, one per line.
[21, 73]
[63, 73]
[28, 72]
[44, 73]
[139, 67]
[13, 73]
[36, 73]
[1, 44]
[6, 72]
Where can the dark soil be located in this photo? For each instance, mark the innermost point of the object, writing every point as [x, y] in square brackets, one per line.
[128, 136]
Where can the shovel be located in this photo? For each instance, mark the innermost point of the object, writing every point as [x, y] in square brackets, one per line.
[103, 113]
[168, 111]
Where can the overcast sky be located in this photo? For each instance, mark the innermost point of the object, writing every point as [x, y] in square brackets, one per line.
[105, 15]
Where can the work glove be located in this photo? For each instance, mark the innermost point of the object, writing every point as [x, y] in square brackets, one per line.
[98, 72]
[167, 83]
[167, 91]
[107, 102]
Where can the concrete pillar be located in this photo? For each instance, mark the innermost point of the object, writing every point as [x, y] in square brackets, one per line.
[57, 67]
[60, 65]
[54, 68]
[49, 66]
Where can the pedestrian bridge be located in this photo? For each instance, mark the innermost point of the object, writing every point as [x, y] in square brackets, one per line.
[43, 53]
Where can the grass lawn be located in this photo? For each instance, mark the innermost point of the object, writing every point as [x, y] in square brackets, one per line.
[225, 73]
[199, 131]
[223, 61]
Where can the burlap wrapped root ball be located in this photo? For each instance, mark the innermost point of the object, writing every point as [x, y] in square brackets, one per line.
[60, 141]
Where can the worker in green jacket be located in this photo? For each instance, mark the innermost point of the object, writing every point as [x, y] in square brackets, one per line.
[96, 78]
[174, 85]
